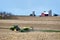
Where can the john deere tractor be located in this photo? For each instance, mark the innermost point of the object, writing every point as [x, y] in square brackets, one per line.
[24, 29]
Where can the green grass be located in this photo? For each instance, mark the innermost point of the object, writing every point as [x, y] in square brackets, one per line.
[50, 30]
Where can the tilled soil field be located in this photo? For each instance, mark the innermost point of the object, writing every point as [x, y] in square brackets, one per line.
[37, 23]
[11, 35]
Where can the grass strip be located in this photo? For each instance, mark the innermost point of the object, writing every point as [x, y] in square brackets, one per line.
[50, 30]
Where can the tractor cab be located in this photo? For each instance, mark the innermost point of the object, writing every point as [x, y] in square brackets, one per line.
[15, 28]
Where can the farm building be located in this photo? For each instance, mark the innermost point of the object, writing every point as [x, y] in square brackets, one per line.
[43, 14]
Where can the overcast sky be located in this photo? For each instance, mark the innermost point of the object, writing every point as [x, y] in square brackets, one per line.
[25, 7]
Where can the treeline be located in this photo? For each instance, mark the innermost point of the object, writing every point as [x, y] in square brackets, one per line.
[5, 15]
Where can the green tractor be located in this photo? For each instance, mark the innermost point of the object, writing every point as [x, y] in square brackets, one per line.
[24, 29]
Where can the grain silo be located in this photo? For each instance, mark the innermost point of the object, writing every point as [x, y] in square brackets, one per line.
[50, 12]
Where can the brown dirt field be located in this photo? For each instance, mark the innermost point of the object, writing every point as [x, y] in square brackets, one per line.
[36, 23]
[29, 18]
[10, 35]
